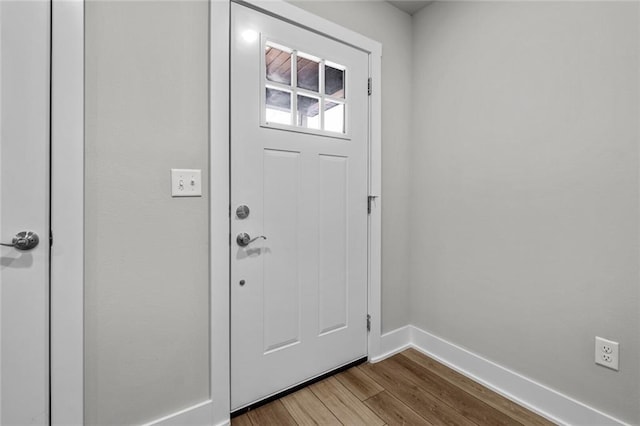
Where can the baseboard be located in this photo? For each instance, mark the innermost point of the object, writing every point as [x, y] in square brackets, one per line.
[197, 415]
[393, 342]
[538, 398]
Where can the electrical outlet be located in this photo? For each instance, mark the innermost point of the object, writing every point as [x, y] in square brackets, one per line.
[607, 353]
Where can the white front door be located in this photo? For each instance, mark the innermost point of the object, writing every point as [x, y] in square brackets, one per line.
[24, 206]
[299, 146]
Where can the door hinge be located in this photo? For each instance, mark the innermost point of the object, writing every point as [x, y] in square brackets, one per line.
[50, 238]
[369, 86]
[370, 199]
[368, 322]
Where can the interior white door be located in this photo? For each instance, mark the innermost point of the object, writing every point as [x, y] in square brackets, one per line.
[24, 206]
[299, 146]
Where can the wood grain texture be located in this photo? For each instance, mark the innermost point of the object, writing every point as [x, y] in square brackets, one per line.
[343, 404]
[359, 383]
[466, 404]
[406, 389]
[495, 400]
[307, 409]
[273, 413]
[393, 411]
[242, 420]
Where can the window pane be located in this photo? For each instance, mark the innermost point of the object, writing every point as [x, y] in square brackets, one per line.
[278, 65]
[308, 112]
[308, 74]
[334, 117]
[333, 82]
[278, 106]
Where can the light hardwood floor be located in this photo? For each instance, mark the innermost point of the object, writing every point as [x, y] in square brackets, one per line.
[406, 389]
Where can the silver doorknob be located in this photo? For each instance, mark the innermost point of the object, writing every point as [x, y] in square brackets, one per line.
[243, 239]
[25, 240]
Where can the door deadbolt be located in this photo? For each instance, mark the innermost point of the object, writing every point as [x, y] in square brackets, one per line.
[242, 212]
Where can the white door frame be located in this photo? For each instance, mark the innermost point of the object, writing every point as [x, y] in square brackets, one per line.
[67, 194]
[220, 197]
[67, 212]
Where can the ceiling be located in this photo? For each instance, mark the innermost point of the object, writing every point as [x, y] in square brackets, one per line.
[410, 6]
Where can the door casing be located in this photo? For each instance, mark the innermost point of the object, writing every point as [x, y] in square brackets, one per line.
[220, 177]
[67, 192]
[67, 212]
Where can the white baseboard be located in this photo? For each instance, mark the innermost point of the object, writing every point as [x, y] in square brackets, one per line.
[538, 398]
[197, 415]
[393, 342]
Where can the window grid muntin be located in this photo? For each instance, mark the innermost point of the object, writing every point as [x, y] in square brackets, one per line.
[295, 91]
[294, 86]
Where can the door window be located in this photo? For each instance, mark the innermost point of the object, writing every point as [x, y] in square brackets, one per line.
[303, 92]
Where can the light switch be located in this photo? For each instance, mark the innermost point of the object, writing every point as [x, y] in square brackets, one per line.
[186, 183]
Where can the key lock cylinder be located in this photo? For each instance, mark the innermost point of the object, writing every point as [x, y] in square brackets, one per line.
[243, 239]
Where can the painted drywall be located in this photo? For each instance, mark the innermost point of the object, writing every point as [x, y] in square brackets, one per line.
[146, 285]
[388, 25]
[524, 189]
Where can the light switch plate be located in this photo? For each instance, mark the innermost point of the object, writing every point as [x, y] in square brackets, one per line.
[186, 183]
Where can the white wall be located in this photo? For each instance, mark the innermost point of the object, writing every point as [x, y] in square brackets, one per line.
[388, 25]
[510, 218]
[147, 275]
[524, 194]
[146, 259]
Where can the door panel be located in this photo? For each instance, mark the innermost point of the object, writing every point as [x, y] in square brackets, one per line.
[333, 245]
[24, 206]
[299, 120]
[281, 286]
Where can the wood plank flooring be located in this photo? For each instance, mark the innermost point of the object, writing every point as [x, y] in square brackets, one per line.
[406, 389]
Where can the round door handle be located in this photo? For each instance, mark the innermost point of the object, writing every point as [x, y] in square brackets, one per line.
[243, 239]
[25, 240]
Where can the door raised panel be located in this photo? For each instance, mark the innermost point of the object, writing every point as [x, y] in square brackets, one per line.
[332, 243]
[281, 273]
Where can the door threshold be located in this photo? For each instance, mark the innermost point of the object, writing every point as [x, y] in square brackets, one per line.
[297, 387]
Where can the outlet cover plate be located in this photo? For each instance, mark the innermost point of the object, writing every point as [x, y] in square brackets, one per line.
[607, 353]
[186, 183]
